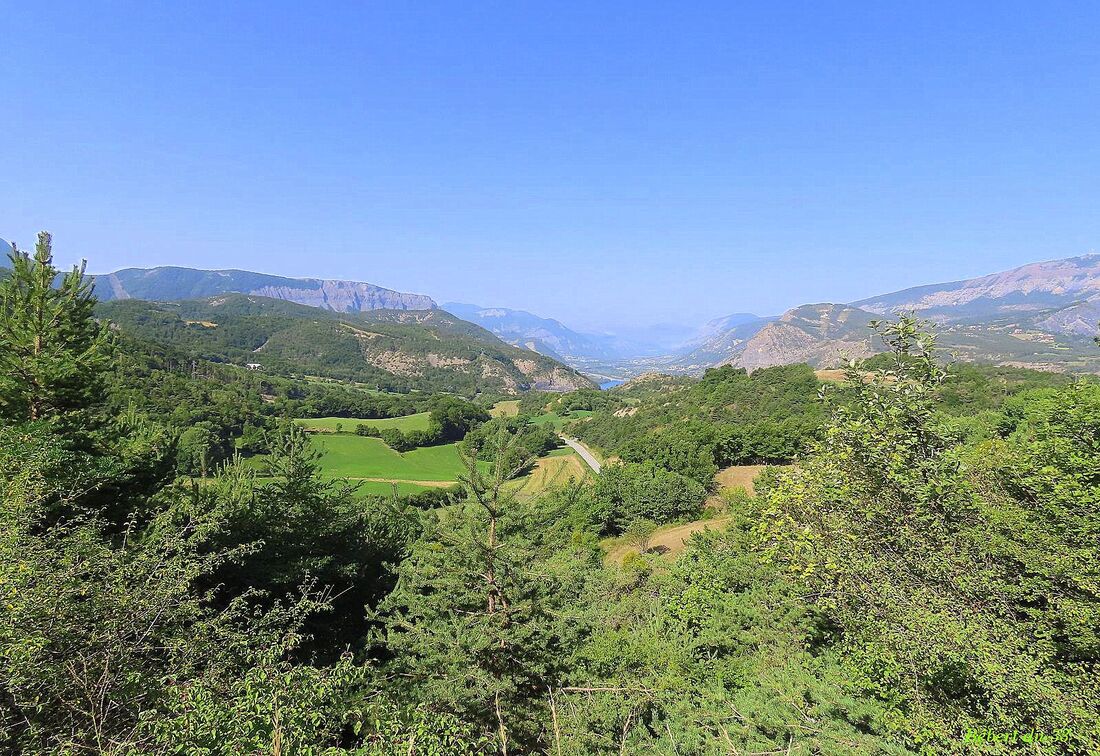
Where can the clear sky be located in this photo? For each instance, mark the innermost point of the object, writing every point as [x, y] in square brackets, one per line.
[597, 162]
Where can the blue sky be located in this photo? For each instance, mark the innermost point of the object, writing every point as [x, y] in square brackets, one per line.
[602, 163]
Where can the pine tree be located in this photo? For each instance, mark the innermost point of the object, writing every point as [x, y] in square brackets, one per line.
[52, 351]
[470, 620]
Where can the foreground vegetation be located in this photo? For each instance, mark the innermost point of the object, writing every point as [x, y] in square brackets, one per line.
[914, 584]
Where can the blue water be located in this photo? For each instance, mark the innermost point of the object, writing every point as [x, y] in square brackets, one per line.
[610, 384]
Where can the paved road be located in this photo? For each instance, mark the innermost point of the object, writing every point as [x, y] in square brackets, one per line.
[582, 450]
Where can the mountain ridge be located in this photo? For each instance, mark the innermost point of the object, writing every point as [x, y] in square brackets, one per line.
[1041, 314]
[1029, 287]
[171, 283]
[530, 331]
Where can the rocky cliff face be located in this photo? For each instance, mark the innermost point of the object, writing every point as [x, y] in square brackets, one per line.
[819, 334]
[347, 296]
[170, 283]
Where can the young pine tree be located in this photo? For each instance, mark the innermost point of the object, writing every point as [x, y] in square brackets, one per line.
[52, 352]
[470, 619]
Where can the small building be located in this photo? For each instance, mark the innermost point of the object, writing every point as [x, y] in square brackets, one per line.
[254, 366]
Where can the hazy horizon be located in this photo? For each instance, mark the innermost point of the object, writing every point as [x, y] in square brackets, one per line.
[604, 166]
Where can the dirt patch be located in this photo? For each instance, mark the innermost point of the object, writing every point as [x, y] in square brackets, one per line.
[426, 483]
[739, 476]
[508, 408]
[527, 367]
[360, 332]
[438, 360]
[397, 363]
[668, 542]
[830, 376]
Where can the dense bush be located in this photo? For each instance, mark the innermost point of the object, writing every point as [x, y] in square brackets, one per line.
[396, 440]
[729, 417]
[516, 437]
[452, 418]
[687, 449]
[629, 492]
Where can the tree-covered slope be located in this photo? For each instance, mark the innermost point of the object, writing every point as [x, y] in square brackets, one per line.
[385, 349]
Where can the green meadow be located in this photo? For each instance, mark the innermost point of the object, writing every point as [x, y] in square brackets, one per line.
[348, 456]
[377, 466]
[418, 422]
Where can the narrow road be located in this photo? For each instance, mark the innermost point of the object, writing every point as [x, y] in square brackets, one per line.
[582, 450]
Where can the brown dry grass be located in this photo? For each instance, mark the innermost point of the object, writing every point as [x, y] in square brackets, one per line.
[739, 476]
[549, 472]
[669, 542]
[830, 376]
[508, 408]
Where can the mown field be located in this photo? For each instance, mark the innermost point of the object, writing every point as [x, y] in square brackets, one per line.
[348, 456]
[554, 469]
[382, 488]
[376, 467]
[506, 408]
[404, 424]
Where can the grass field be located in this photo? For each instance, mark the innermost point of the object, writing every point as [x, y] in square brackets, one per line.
[377, 466]
[404, 424]
[345, 456]
[668, 541]
[739, 476]
[558, 421]
[507, 408]
[553, 470]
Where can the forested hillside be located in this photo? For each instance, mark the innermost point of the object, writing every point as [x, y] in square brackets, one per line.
[769, 416]
[383, 349]
[923, 580]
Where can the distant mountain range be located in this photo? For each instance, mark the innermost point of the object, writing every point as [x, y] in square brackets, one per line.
[1043, 315]
[1039, 315]
[543, 335]
[171, 283]
[551, 337]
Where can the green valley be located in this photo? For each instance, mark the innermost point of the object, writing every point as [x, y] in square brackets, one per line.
[263, 527]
